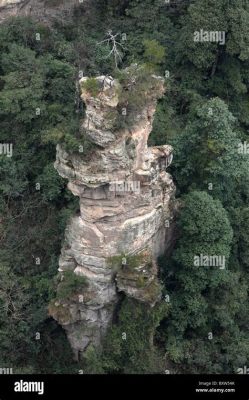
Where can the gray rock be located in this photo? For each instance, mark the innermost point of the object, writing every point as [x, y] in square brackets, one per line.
[125, 197]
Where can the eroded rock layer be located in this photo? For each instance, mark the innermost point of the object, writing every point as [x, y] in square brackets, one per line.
[126, 207]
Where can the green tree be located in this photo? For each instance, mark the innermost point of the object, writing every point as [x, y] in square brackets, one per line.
[129, 345]
[154, 54]
[207, 153]
[206, 307]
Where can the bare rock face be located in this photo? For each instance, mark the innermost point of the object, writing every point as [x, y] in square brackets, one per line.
[9, 3]
[9, 8]
[126, 208]
[42, 10]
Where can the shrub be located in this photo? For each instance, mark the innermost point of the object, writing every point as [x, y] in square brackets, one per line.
[70, 285]
[91, 86]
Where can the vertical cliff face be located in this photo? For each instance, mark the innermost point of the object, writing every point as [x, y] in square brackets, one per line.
[126, 204]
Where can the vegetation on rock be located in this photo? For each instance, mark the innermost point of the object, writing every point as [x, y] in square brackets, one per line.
[203, 114]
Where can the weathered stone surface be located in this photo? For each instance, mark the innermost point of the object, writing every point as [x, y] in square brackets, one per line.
[140, 281]
[6, 3]
[126, 196]
[41, 10]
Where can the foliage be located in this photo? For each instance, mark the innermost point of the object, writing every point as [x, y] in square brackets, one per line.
[154, 53]
[70, 284]
[207, 152]
[132, 261]
[91, 86]
[204, 298]
[128, 346]
[204, 115]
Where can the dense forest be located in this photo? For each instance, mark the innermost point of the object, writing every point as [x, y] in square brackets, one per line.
[203, 326]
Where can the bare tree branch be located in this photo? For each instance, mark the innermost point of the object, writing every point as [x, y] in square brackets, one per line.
[111, 40]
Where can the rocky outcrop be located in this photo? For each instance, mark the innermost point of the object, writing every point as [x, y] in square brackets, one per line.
[10, 8]
[126, 206]
[42, 10]
[10, 3]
